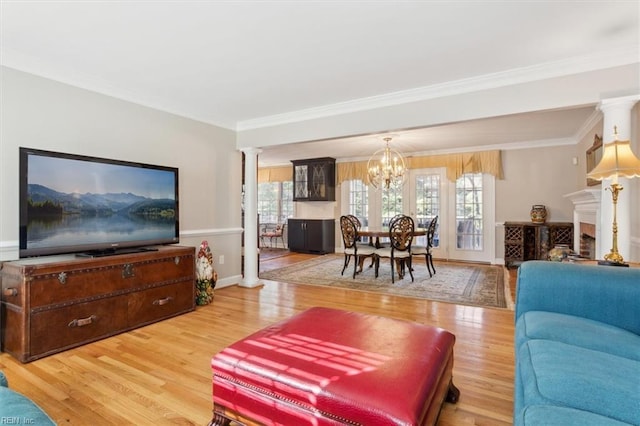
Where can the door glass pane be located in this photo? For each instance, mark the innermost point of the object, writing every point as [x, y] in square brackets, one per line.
[427, 204]
[359, 200]
[391, 203]
[268, 202]
[469, 224]
[287, 201]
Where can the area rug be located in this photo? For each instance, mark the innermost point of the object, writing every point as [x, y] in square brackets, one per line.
[268, 253]
[460, 283]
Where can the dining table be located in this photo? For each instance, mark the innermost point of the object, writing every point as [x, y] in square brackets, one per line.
[374, 235]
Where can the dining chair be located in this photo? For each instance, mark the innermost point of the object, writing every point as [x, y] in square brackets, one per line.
[361, 241]
[349, 230]
[357, 223]
[401, 229]
[382, 242]
[272, 232]
[426, 251]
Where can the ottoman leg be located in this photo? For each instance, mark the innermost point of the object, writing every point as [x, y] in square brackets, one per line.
[453, 394]
[219, 419]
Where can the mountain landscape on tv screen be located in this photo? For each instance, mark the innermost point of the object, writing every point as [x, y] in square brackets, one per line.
[47, 204]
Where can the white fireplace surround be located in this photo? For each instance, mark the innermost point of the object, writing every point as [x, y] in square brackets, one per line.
[586, 209]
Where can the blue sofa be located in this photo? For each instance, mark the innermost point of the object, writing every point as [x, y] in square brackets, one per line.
[18, 409]
[577, 345]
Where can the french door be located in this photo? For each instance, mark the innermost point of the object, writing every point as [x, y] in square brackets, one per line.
[465, 210]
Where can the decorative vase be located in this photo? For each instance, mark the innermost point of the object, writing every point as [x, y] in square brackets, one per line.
[559, 253]
[538, 213]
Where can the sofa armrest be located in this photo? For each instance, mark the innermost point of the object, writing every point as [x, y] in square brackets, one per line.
[608, 294]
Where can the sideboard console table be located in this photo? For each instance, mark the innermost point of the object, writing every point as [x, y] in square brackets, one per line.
[51, 304]
[532, 241]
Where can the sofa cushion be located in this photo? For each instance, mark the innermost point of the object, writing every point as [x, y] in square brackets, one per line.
[577, 331]
[17, 408]
[555, 373]
[552, 415]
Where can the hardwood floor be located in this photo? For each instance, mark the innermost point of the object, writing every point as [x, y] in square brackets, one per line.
[161, 374]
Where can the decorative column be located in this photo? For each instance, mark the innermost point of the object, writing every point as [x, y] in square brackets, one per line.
[251, 218]
[617, 113]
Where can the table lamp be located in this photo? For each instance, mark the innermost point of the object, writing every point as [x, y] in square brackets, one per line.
[617, 161]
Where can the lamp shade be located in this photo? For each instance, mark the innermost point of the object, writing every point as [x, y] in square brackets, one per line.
[617, 161]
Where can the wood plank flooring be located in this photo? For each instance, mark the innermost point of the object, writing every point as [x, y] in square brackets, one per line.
[161, 374]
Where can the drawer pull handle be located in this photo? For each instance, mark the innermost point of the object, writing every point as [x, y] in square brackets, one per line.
[127, 271]
[83, 321]
[9, 292]
[62, 277]
[160, 302]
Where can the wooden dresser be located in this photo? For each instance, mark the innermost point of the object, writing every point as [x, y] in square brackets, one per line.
[51, 304]
[532, 241]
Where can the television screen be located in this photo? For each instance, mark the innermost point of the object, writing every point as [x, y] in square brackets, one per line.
[94, 206]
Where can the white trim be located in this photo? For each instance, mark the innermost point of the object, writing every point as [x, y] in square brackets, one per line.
[72, 77]
[228, 282]
[588, 125]
[206, 232]
[619, 57]
[9, 250]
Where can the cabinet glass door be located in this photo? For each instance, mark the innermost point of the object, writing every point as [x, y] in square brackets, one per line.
[318, 181]
[300, 183]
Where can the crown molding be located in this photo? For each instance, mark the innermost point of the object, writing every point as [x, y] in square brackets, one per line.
[576, 65]
[25, 63]
[612, 58]
[588, 125]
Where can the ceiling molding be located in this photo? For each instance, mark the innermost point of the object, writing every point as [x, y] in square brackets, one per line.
[588, 125]
[31, 65]
[609, 59]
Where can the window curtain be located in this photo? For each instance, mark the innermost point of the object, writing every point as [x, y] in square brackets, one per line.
[456, 164]
[275, 174]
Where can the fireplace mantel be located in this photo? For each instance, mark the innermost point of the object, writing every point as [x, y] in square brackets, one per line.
[586, 209]
[585, 197]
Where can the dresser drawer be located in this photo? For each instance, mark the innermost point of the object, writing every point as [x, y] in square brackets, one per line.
[161, 302]
[67, 285]
[62, 328]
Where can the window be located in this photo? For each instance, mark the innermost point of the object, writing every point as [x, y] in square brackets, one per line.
[286, 207]
[359, 200]
[427, 203]
[275, 201]
[469, 228]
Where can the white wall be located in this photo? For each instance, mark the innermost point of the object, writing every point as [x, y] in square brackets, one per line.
[44, 114]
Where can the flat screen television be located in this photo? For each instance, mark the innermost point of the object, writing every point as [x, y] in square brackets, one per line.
[94, 206]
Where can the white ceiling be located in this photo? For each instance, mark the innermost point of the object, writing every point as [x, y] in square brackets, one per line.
[240, 64]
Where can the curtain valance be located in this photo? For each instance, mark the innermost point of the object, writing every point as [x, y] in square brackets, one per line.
[275, 174]
[456, 165]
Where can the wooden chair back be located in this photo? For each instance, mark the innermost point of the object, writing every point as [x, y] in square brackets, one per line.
[401, 231]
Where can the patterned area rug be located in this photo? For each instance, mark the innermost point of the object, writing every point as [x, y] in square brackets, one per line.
[268, 253]
[461, 283]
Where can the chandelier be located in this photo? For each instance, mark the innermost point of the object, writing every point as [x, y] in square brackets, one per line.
[386, 168]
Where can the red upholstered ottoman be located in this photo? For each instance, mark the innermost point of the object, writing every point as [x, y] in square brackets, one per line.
[329, 367]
